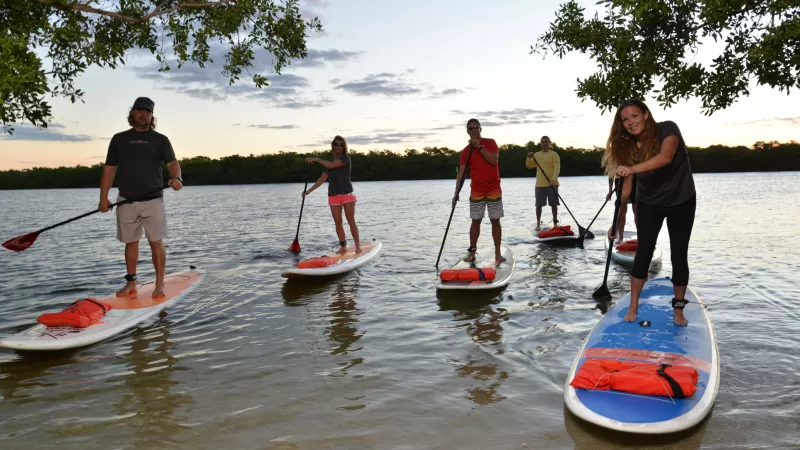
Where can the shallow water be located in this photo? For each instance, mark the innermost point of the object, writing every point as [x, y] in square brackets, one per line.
[376, 358]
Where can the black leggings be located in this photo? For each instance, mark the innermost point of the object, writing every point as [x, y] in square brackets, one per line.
[680, 220]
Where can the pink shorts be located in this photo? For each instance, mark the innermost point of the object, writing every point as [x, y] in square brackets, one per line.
[341, 199]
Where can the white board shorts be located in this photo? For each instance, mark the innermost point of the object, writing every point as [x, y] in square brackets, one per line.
[132, 217]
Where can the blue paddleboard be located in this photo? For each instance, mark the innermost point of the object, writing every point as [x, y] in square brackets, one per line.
[662, 342]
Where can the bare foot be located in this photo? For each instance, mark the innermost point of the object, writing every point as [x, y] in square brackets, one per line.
[631, 316]
[358, 249]
[128, 290]
[341, 250]
[538, 227]
[159, 290]
[680, 320]
[499, 259]
[470, 257]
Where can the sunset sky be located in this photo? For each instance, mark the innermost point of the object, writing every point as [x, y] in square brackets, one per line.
[386, 75]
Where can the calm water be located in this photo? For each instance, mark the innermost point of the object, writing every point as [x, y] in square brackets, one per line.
[376, 358]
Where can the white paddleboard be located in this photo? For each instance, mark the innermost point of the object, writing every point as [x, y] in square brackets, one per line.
[626, 258]
[557, 239]
[661, 342]
[345, 262]
[484, 259]
[126, 313]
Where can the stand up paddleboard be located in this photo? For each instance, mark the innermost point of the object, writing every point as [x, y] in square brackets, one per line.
[653, 338]
[334, 264]
[625, 258]
[565, 239]
[125, 313]
[484, 259]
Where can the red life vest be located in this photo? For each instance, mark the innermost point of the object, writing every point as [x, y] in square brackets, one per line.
[557, 231]
[636, 377]
[80, 314]
[468, 274]
[629, 246]
[313, 263]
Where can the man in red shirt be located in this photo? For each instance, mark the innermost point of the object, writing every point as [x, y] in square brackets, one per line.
[484, 185]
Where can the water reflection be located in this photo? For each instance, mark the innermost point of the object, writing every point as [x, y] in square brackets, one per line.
[151, 395]
[549, 261]
[483, 321]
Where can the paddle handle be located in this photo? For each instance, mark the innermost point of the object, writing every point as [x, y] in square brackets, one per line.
[96, 211]
[302, 203]
[458, 192]
[613, 231]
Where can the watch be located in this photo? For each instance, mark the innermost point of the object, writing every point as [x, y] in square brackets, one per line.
[179, 179]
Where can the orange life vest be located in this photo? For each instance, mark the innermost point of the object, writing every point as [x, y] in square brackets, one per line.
[313, 263]
[80, 314]
[561, 230]
[629, 246]
[636, 377]
[468, 274]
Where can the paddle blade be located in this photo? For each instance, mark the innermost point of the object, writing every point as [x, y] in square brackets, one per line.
[21, 243]
[602, 292]
[588, 234]
[295, 247]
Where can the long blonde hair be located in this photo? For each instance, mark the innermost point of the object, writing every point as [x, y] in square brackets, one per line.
[621, 148]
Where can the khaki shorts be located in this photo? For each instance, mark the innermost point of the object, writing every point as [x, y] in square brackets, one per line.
[132, 217]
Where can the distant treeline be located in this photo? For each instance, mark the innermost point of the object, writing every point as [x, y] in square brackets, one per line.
[428, 164]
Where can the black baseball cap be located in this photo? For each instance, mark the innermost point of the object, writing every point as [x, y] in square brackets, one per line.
[144, 103]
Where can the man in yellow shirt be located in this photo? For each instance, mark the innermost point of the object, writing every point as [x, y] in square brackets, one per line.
[549, 166]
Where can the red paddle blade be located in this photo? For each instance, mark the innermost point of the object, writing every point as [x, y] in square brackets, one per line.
[21, 243]
[295, 247]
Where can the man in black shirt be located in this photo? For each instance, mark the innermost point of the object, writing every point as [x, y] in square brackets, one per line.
[135, 158]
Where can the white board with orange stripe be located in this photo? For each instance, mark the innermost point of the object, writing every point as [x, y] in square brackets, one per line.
[125, 313]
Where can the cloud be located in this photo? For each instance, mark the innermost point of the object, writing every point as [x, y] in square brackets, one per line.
[380, 136]
[53, 133]
[273, 127]
[386, 84]
[389, 84]
[285, 90]
[516, 116]
[771, 121]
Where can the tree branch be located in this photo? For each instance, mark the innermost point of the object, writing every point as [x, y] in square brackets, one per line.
[84, 7]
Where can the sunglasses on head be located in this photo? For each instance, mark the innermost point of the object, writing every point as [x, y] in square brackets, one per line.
[473, 127]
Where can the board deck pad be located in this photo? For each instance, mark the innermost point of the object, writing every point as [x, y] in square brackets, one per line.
[126, 313]
[484, 258]
[662, 342]
[345, 262]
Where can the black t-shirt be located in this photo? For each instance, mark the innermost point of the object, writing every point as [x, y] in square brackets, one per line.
[339, 178]
[672, 184]
[139, 158]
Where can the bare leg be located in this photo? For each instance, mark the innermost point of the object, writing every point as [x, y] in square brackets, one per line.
[623, 215]
[336, 212]
[350, 214]
[497, 234]
[131, 258]
[680, 293]
[555, 214]
[160, 264]
[538, 218]
[474, 234]
[636, 290]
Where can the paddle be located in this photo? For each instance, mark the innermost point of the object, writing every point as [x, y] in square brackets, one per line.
[295, 247]
[598, 213]
[602, 291]
[582, 231]
[21, 243]
[458, 191]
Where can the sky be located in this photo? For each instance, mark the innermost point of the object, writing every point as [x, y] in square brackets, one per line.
[386, 76]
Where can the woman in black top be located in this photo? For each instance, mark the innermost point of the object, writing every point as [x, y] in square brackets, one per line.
[340, 191]
[657, 155]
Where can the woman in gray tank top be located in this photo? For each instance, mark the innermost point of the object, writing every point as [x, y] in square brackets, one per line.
[340, 191]
[656, 154]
